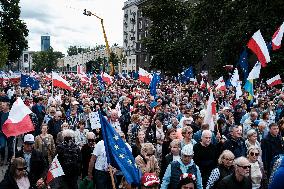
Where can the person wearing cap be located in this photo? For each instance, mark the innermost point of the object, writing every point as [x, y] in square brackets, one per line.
[36, 164]
[150, 180]
[184, 165]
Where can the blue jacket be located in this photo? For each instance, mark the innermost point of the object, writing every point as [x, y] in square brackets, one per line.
[167, 176]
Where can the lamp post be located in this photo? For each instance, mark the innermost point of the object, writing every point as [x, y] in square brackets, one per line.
[89, 13]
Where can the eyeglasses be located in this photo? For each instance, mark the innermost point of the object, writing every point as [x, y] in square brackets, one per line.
[254, 154]
[189, 133]
[244, 166]
[91, 140]
[21, 168]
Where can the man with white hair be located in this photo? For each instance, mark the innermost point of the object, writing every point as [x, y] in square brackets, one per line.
[69, 156]
[205, 155]
[177, 168]
[113, 120]
[239, 178]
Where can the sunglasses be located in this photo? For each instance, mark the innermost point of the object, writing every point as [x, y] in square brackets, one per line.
[91, 140]
[245, 166]
[254, 154]
[189, 133]
[22, 168]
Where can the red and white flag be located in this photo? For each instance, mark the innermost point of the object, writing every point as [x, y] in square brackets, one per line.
[54, 171]
[220, 84]
[258, 46]
[202, 84]
[84, 78]
[58, 81]
[277, 37]
[276, 80]
[145, 76]
[19, 121]
[210, 112]
[79, 69]
[107, 78]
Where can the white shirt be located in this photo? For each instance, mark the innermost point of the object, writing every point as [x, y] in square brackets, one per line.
[23, 183]
[100, 153]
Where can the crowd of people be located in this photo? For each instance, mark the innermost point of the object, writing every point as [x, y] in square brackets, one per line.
[172, 145]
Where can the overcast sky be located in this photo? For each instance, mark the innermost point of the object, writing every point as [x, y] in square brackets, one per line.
[64, 21]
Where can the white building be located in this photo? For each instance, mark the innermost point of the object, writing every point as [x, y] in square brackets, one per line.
[130, 35]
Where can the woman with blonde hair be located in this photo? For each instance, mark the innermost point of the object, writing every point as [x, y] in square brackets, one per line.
[225, 167]
[187, 133]
[45, 144]
[256, 170]
[147, 161]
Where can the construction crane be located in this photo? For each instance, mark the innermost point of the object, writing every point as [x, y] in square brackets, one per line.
[89, 13]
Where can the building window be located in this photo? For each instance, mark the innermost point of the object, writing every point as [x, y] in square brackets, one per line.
[140, 24]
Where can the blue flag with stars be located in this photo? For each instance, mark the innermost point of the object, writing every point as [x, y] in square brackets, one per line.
[153, 85]
[243, 63]
[101, 82]
[28, 81]
[186, 74]
[118, 154]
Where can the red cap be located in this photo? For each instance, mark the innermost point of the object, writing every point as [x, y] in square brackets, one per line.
[149, 179]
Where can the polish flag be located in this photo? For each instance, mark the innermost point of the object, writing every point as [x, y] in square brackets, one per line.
[84, 78]
[194, 80]
[107, 78]
[276, 80]
[19, 121]
[54, 171]
[79, 69]
[145, 76]
[220, 84]
[277, 37]
[208, 87]
[258, 46]
[210, 112]
[202, 84]
[58, 81]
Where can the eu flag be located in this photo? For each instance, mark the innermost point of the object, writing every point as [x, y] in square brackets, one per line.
[243, 63]
[101, 82]
[28, 81]
[118, 154]
[186, 74]
[153, 85]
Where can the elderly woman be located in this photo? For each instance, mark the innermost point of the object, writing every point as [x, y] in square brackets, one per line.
[224, 168]
[17, 176]
[252, 139]
[187, 133]
[81, 134]
[256, 171]
[59, 138]
[86, 152]
[45, 144]
[147, 161]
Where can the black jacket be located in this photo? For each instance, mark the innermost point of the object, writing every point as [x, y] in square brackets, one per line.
[238, 147]
[230, 182]
[8, 182]
[38, 166]
[270, 146]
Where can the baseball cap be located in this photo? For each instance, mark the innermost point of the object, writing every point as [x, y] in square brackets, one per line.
[29, 139]
[187, 150]
[149, 179]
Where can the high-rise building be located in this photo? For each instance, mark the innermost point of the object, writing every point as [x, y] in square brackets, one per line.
[45, 43]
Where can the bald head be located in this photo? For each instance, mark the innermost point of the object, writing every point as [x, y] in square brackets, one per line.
[206, 137]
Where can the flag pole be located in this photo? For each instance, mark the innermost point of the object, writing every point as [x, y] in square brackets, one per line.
[111, 176]
[52, 83]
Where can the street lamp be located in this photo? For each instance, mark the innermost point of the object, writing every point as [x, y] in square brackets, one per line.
[89, 13]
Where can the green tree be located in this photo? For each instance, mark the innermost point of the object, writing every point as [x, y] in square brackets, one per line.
[4, 52]
[13, 29]
[166, 34]
[114, 58]
[72, 50]
[223, 29]
[46, 60]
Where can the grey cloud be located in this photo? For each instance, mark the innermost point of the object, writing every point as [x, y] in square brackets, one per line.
[35, 13]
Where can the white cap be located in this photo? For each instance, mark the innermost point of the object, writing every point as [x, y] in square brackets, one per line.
[187, 150]
[226, 108]
[29, 138]
[75, 102]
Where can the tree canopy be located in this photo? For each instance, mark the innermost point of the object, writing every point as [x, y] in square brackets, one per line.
[184, 33]
[46, 60]
[13, 29]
